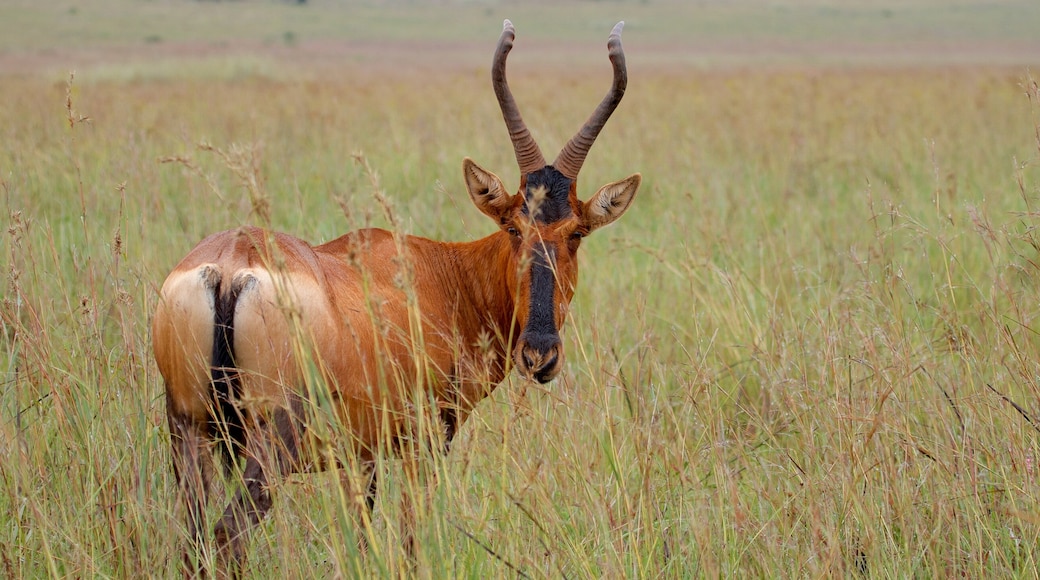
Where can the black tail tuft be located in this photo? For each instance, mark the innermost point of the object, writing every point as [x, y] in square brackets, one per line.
[227, 424]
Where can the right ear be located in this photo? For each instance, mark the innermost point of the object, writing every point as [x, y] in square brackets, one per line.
[610, 202]
[486, 190]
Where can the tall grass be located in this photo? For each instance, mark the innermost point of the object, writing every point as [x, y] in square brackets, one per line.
[809, 348]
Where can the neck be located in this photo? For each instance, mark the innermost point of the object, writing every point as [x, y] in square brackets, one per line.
[473, 276]
[481, 268]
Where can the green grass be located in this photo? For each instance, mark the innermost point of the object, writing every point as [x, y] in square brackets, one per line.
[796, 355]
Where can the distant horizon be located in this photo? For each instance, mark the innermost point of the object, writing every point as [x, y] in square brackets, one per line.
[272, 38]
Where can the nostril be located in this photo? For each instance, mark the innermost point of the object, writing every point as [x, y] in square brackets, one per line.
[529, 361]
[554, 355]
[550, 369]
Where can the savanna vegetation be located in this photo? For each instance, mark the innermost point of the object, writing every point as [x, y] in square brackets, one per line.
[809, 349]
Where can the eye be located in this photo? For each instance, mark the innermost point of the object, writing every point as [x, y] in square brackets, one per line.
[513, 232]
[577, 235]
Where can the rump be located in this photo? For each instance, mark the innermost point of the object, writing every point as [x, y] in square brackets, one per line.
[182, 337]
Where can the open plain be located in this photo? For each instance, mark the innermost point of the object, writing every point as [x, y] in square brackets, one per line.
[810, 349]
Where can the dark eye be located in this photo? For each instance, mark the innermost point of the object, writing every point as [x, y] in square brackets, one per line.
[513, 232]
[575, 236]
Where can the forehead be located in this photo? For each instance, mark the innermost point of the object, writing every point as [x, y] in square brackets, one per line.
[548, 195]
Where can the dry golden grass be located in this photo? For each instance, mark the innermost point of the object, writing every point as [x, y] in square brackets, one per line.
[799, 354]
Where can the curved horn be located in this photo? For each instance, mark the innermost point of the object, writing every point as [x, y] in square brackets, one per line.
[528, 155]
[571, 158]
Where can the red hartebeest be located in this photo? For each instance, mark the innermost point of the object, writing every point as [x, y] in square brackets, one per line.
[248, 315]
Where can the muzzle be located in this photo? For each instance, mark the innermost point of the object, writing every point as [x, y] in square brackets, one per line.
[538, 356]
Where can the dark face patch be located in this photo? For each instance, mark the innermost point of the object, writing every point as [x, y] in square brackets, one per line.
[541, 324]
[547, 191]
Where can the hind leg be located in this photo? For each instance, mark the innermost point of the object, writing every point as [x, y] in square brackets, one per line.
[182, 339]
[272, 453]
[193, 469]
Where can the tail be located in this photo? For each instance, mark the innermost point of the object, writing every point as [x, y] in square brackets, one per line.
[227, 423]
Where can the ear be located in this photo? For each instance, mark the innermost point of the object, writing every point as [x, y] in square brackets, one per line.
[486, 190]
[610, 202]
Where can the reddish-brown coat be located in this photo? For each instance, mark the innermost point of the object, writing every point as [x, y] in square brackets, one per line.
[350, 298]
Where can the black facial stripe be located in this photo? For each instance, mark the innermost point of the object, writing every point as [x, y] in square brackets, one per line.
[541, 322]
[555, 205]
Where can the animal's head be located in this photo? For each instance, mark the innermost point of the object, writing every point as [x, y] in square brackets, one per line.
[544, 219]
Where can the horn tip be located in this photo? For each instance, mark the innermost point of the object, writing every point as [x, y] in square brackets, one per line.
[508, 32]
[505, 42]
[614, 41]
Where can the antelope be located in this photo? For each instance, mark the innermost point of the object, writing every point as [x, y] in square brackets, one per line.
[248, 315]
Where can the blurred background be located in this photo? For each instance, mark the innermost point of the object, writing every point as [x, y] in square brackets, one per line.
[116, 37]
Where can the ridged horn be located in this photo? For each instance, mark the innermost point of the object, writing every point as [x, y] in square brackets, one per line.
[571, 158]
[528, 155]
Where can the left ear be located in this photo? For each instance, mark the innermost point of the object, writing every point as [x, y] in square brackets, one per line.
[486, 190]
[610, 202]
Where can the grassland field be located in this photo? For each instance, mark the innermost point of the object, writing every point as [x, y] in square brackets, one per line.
[810, 349]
